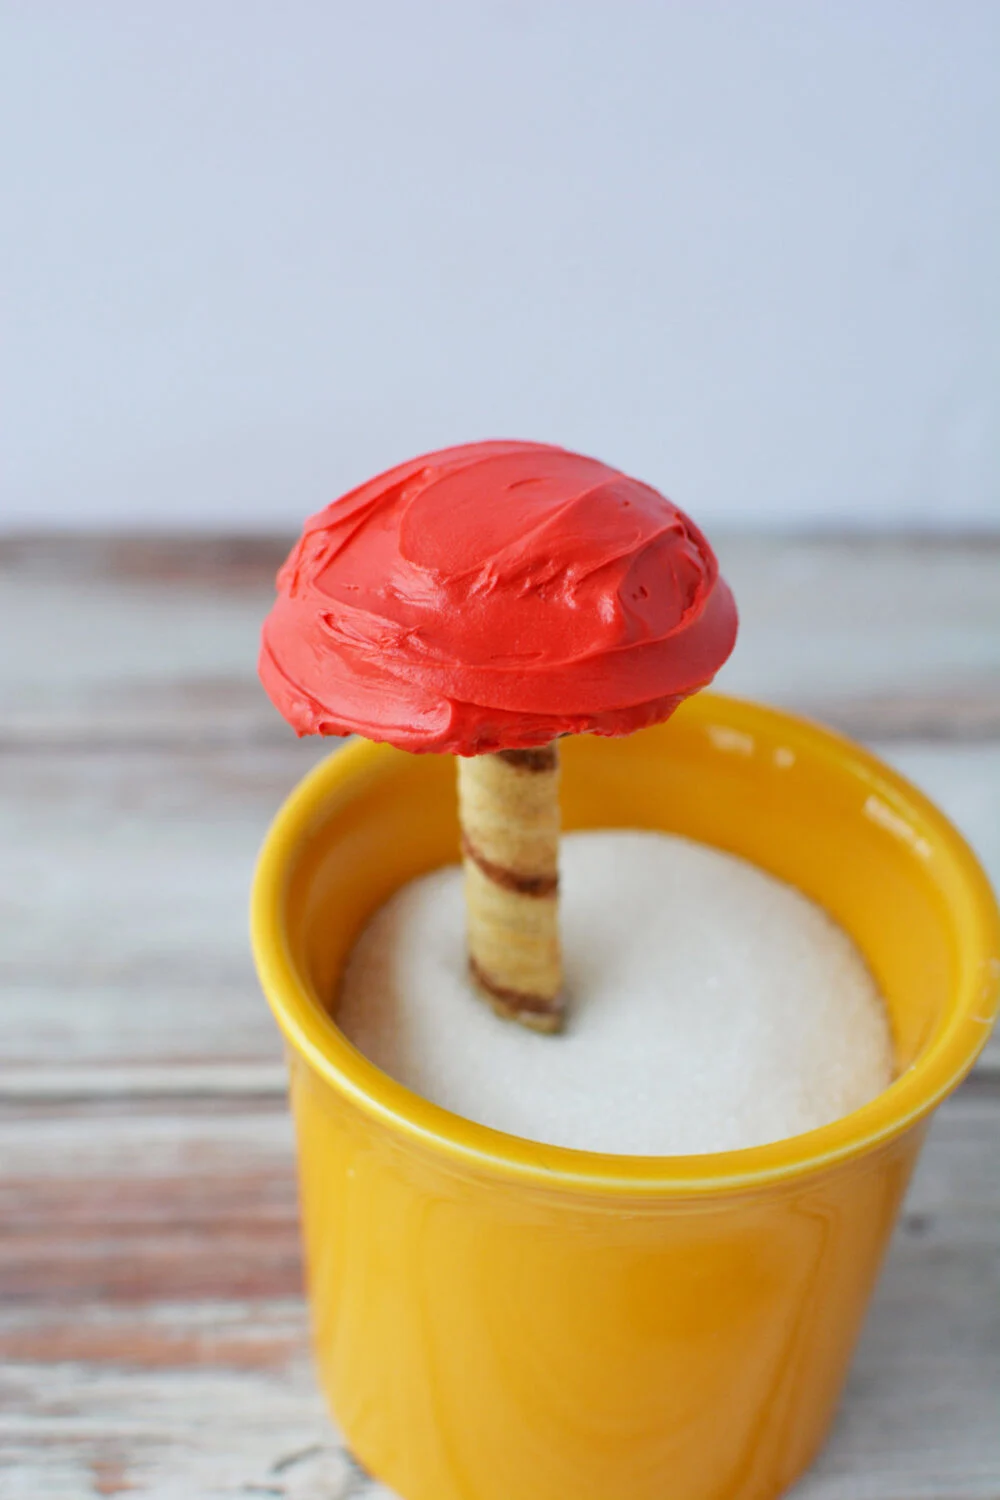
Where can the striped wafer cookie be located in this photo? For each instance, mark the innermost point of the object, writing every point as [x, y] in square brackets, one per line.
[509, 810]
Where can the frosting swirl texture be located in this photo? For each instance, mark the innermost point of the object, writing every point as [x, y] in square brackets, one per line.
[493, 596]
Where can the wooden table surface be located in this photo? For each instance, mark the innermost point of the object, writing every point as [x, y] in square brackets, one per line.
[152, 1330]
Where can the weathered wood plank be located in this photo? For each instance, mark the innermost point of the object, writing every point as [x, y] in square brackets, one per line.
[124, 881]
[204, 1400]
[881, 638]
[123, 891]
[158, 1186]
[139, 1202]
[146, 642]
[175, 1382]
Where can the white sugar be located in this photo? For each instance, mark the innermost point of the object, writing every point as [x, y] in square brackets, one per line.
[712, 1006]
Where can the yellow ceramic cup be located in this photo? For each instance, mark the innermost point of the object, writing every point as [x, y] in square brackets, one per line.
[500, 1320]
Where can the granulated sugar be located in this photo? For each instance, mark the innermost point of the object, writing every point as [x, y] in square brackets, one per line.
[711, 1006]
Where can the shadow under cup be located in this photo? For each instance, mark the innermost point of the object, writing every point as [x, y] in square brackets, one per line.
[500, 1320]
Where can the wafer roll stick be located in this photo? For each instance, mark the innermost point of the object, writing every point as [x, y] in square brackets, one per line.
[509, 811]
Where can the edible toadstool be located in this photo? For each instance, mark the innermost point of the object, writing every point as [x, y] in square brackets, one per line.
[481, 601]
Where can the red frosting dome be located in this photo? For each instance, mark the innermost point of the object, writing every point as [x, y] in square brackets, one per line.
[491, 597]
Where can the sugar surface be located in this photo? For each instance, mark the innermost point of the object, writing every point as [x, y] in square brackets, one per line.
[712, 1006]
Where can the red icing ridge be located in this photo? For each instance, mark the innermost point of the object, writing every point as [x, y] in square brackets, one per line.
[493, 596]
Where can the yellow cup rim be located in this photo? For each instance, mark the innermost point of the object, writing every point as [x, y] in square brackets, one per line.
[943, 1064]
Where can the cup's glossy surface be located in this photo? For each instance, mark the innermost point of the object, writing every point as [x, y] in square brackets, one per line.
[501, 1320]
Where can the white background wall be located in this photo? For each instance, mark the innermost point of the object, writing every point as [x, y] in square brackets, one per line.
[256, 251]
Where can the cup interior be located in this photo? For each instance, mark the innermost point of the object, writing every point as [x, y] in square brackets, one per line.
[803, 804]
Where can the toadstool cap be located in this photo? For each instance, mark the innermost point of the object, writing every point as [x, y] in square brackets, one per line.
[494, 596]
